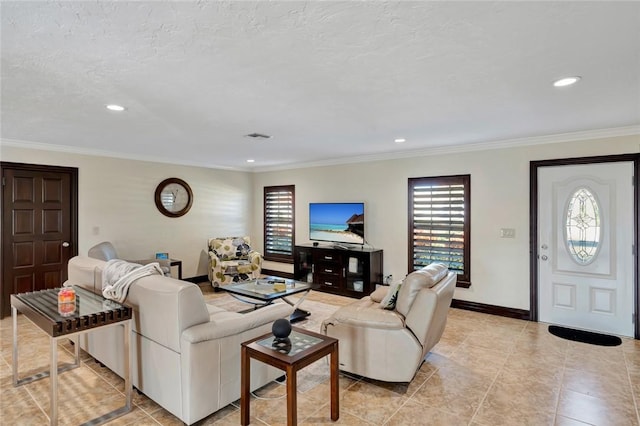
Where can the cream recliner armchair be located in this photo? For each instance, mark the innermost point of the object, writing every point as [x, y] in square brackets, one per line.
[391, 344]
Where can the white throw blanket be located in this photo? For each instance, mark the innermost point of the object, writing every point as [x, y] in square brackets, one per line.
[118, 275]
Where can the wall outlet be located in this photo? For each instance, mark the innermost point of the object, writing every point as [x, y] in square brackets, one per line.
[507, 233]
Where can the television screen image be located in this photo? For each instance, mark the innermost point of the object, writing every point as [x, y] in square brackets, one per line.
[337, 222]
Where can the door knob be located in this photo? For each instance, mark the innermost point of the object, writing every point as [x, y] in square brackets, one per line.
[65, 244]
[544, 257]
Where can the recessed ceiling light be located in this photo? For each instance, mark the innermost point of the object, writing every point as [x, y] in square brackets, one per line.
[399, 140]
[114, 107]
[567, 81]
[251, 161]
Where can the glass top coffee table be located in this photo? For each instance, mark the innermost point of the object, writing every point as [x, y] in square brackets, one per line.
[261, 292]
[88, 312]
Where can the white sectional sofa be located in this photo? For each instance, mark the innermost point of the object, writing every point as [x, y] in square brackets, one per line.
[186, 353]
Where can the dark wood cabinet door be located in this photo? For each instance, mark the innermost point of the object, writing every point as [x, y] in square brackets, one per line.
[353, 273]
[39, 227]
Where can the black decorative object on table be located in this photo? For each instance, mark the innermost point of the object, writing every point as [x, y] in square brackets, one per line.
[281, 328]
[282, 345]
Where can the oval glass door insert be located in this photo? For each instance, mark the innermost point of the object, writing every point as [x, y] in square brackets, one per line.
[583, 226]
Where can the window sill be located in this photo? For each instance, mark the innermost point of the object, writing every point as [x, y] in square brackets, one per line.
[463, 284]
[278, 259]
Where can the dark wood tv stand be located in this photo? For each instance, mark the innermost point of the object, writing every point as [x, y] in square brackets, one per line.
[352, 272]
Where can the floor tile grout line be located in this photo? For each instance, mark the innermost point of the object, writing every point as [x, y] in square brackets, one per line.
[384, 422]
[37, 404]
[101, 377]
[634, 397]
[564, 369]
[475, 413]
[500, 370]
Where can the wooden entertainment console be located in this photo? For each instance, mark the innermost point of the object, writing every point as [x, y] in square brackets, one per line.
[345, 271]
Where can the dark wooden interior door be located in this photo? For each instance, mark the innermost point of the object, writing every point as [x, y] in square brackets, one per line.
[39, 227]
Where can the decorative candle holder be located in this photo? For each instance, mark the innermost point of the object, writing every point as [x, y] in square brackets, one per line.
[67, 301]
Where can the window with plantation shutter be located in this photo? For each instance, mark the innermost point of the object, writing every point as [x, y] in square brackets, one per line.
[439, 229]
[279, 223]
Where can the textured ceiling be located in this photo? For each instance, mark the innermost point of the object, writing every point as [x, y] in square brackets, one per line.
[329, 80]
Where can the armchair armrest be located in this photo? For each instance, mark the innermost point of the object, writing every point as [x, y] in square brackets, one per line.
[232, 326]
[379, 294]
[255, 257]
[371, 316]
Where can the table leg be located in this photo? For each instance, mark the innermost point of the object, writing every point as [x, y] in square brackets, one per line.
[298, 314]
[76, 350]
[245, 384]
[335, 395]
[53, 382]
[14, 361]
[128, 373]
[292, 397]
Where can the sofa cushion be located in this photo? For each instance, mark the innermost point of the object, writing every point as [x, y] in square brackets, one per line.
[230, 248]
[86, 272]
[425, 277]
[379, 294]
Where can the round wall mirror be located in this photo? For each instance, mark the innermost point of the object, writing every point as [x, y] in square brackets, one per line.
[173, 197]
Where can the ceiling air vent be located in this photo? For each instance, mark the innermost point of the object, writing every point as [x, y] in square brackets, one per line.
[258, 136]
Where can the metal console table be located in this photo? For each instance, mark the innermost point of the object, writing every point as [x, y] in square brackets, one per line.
[91, 311]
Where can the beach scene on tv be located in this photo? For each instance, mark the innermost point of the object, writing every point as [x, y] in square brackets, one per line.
[340, 222]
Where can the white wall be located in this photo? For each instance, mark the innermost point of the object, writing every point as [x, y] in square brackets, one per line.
[117, 196]
[499, 199]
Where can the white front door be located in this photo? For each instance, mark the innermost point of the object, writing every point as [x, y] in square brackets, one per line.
[585, 253]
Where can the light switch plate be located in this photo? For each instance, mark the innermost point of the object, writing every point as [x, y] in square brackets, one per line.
[507, 233]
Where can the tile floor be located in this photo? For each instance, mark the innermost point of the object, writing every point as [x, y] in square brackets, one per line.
[486, 370]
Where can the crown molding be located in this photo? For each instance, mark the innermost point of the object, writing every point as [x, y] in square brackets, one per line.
[439, 150]
[112, 154]
[470, 147]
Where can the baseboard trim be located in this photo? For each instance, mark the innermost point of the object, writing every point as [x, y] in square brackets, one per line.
[281, 274]
[196, 280]
[491, 309]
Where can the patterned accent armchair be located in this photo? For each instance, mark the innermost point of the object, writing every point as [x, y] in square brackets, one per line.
[231, 259]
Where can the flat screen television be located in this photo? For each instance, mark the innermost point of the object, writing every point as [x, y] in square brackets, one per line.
[337, 222]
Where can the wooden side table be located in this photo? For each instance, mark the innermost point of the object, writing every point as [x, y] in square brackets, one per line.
[178, 263]
[306, 348]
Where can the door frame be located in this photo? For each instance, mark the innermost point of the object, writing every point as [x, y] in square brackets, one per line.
[533, 224]
[73, 174]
